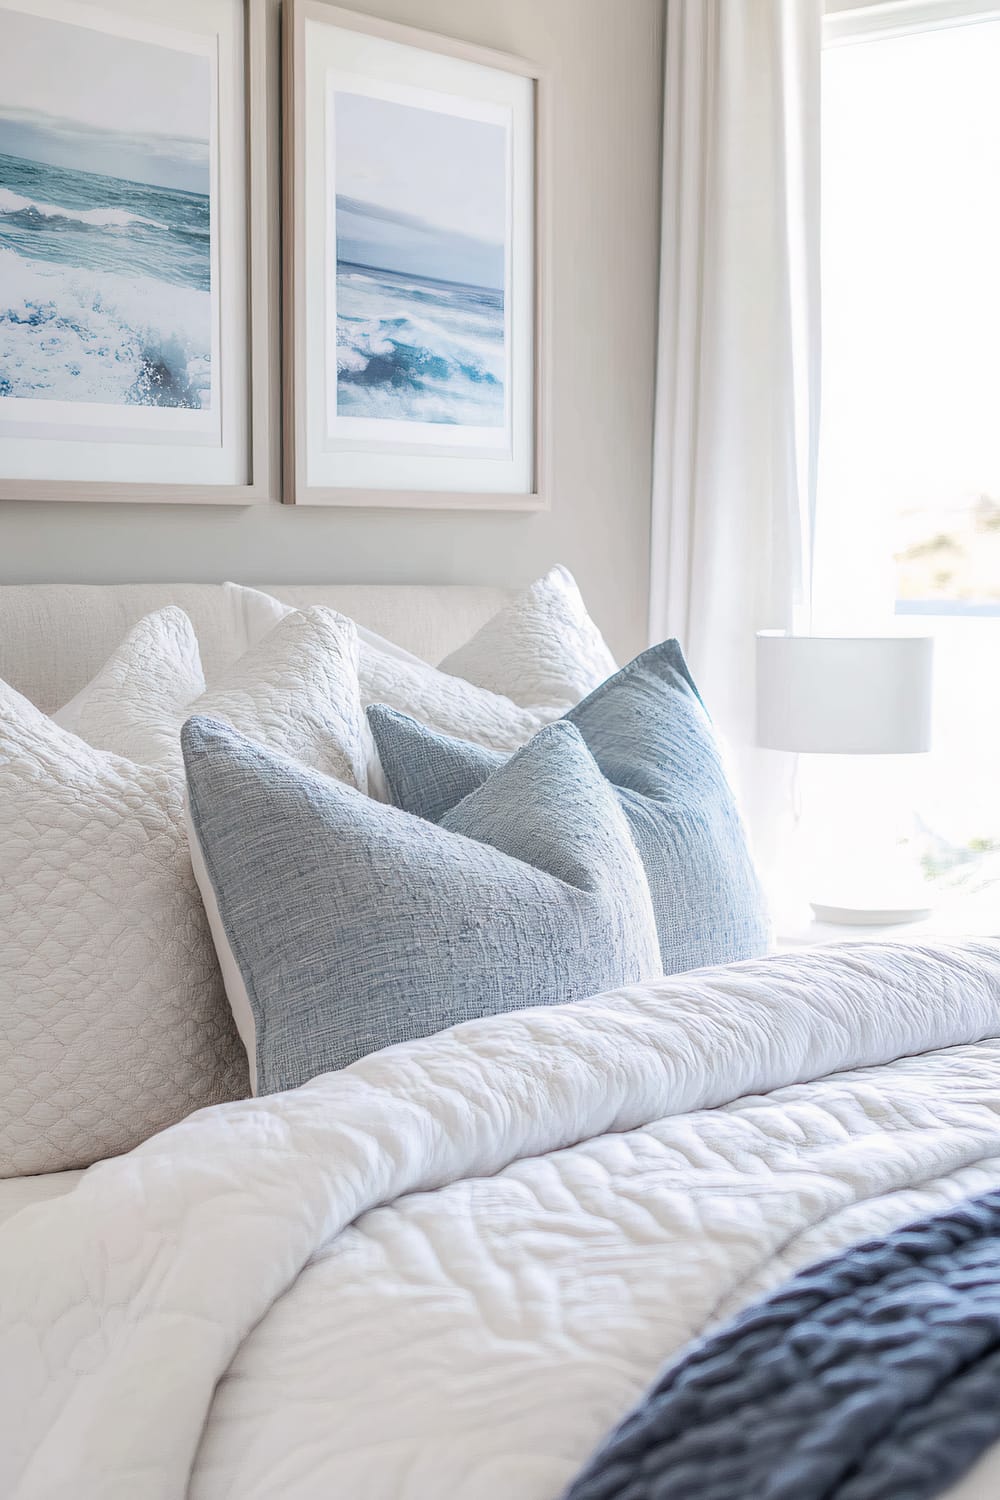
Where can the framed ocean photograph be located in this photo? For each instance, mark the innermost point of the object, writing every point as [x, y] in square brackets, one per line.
[134, 281]
[414, 270]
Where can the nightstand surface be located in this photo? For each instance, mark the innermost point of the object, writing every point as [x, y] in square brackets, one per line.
[976, 917]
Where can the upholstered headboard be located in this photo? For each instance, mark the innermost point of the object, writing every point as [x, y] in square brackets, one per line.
[55, 636]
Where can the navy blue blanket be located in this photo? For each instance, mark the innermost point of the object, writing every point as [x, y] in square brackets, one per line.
[874, 1375]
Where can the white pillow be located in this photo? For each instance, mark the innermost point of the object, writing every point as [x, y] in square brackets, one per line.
[252, 614]
[131, 706]
[525, 667]
[296, 690]
[449, 704]
[389, 674]
[541, 648]
[113, 1021]
[264, 611]
[541, 654]
[113, 1018]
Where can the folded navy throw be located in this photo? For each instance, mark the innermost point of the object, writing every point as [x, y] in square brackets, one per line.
[874, 1375]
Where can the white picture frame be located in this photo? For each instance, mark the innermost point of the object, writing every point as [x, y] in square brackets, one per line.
[211, 346]
[414, 283]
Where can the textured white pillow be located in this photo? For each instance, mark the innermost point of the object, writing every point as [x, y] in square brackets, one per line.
[254, 614]
[136, 702]
[389, 674]
[266, 608]
[113, 1021]
[525, 667]
[541, 648]
[296, 691]
[449, 704]
[113, 1017]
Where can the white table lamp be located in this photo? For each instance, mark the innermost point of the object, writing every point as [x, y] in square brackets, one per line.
[851, 696]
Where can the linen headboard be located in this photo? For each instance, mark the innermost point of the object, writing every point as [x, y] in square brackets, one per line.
[55, 636]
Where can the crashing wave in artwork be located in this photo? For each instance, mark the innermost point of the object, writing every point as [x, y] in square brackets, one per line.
[417, 349]
[422, 210]
[106, 291]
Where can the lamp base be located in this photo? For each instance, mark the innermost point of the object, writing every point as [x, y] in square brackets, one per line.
[869, 916]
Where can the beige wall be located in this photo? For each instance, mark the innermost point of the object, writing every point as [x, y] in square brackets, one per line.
[604, 62]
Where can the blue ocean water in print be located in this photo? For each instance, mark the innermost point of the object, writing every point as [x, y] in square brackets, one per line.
[420, 320]
[418, 350]
[105, 288]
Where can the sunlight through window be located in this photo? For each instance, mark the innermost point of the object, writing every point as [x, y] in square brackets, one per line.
[909, 501]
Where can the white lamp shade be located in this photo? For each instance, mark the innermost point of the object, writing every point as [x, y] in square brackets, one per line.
[844, 695]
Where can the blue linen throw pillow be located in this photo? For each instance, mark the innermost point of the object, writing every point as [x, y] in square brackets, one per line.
[355, 925]
[649, 733]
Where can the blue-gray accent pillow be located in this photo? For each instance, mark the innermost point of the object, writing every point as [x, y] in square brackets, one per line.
[355, 925]
[649, 733]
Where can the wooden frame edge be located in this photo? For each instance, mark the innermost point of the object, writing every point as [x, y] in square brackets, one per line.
[261, 239]
[292, 185]
[296, 12]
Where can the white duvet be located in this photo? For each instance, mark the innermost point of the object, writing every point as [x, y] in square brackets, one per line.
[446, 1272]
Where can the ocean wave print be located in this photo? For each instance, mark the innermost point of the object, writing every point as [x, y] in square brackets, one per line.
[72, 334]
[105, 223]
[413, 349]
[13, 206]
[105, 289]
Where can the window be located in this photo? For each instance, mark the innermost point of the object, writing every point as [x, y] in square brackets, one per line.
[909, 495]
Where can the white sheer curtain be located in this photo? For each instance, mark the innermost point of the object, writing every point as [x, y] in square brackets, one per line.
[737, 400]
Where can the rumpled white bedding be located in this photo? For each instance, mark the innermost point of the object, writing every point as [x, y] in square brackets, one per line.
[448, 1270]
[21, 1192]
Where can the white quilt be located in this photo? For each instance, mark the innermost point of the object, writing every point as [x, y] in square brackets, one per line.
[445, 1273]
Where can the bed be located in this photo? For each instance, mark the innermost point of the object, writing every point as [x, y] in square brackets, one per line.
[452, 1267]
[21, 1192]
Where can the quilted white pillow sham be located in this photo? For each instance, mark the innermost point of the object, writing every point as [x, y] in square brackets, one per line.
[541, 649]
[113, 1022]
[525, 667]
[521, 670]
[132, 705]
[296, 691]
[113, 1019]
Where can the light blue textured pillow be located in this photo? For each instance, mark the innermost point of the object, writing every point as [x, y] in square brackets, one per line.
[355, 925]
[650, 735]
